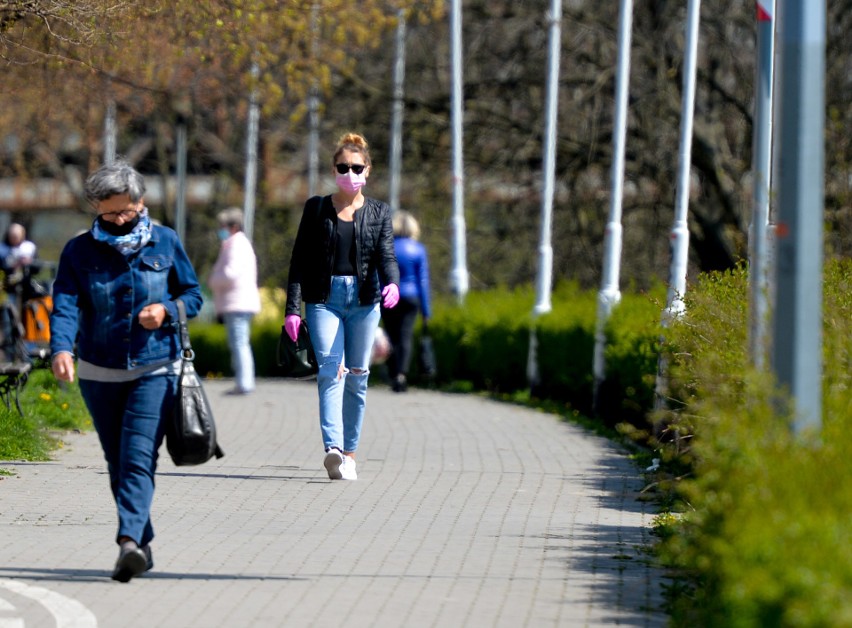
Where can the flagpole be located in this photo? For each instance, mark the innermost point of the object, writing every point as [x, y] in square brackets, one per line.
[761, 184]
[610, 294]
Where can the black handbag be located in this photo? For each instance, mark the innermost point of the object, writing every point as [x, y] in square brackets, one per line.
[191, 432]
[427, 361]
[297, 359]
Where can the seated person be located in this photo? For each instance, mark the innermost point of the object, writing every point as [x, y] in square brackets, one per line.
[17, 261]
[16, 251]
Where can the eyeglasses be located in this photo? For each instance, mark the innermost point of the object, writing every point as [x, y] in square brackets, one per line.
[127, 214]
[344, 168]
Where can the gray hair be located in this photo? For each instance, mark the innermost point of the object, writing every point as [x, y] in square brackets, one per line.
[114, 179]
[231, 217]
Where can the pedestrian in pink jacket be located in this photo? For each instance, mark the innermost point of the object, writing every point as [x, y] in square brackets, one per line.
[236, 298]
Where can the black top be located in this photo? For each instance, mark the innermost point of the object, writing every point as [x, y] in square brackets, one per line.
[344, 250]
[312, 260]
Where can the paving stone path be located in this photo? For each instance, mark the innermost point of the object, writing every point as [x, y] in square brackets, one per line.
[467, 512]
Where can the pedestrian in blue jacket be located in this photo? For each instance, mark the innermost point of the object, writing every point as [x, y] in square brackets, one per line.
[413, 297]
[114, 307]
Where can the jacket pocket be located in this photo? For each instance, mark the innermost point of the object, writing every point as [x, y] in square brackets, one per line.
[155, 275]
[101, 287]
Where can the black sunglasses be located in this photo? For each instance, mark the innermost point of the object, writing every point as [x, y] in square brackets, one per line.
[344, 168]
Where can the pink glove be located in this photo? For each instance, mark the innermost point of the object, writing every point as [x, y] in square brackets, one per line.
[390, 295]
[291, 325]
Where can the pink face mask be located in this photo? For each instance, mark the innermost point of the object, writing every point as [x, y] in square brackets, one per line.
[350, 182]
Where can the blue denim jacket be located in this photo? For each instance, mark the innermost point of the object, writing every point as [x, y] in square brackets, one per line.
[98, 294]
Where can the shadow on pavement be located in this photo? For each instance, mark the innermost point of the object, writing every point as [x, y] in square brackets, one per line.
[99, 575]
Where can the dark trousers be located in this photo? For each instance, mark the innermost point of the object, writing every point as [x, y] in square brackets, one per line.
[128, 417]
[399, 324]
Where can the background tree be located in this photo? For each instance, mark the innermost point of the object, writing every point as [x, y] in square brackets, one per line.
[160, 62]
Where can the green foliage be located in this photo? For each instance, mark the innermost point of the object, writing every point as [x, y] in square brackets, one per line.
[264, 341]
[765, 537]
[210, 344]
[48, 407]
[565, 348]
[705, 353]
[21, 438]
[632, 355]
[486, 342]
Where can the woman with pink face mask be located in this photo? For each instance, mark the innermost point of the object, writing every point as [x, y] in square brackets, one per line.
[342, 267]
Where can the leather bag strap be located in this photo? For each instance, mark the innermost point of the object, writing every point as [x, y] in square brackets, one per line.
[186, 347]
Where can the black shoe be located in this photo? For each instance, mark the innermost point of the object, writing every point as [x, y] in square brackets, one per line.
[131, 562]
[400, 383]
[238, 392]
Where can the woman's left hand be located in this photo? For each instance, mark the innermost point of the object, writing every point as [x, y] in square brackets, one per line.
[152, 316]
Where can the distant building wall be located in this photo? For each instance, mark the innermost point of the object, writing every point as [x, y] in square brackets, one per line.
[43, 194]
[52, 213]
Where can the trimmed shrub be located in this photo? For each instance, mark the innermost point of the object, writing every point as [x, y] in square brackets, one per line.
[764, 537]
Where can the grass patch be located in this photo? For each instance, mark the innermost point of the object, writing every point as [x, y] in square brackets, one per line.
[49, 409]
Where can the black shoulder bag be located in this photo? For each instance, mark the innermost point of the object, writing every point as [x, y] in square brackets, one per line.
[428, 363]
[191, 432]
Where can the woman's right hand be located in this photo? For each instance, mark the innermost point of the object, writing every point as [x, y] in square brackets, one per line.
[63, 367]
[291, 326]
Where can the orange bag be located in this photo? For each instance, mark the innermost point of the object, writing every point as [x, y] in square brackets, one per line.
[36, 317]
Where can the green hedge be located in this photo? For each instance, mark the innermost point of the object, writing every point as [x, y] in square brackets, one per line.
[486, 342]
[764, 536]
[213, 358]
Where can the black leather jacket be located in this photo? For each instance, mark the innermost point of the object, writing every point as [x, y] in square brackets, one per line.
[313, 254]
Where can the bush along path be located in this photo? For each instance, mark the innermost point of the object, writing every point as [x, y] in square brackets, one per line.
[761, 524]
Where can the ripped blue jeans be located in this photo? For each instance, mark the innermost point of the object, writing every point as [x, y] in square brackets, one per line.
[342, 333]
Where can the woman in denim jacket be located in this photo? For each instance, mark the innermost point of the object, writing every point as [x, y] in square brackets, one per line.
[114, 304]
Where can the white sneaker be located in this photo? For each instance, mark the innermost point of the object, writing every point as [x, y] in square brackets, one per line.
[333, 462]
[347, 469]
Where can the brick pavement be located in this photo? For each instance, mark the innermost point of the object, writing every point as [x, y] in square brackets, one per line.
[467, 512]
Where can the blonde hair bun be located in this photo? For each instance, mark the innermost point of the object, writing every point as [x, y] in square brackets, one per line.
[353, 139]
[354, 142]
